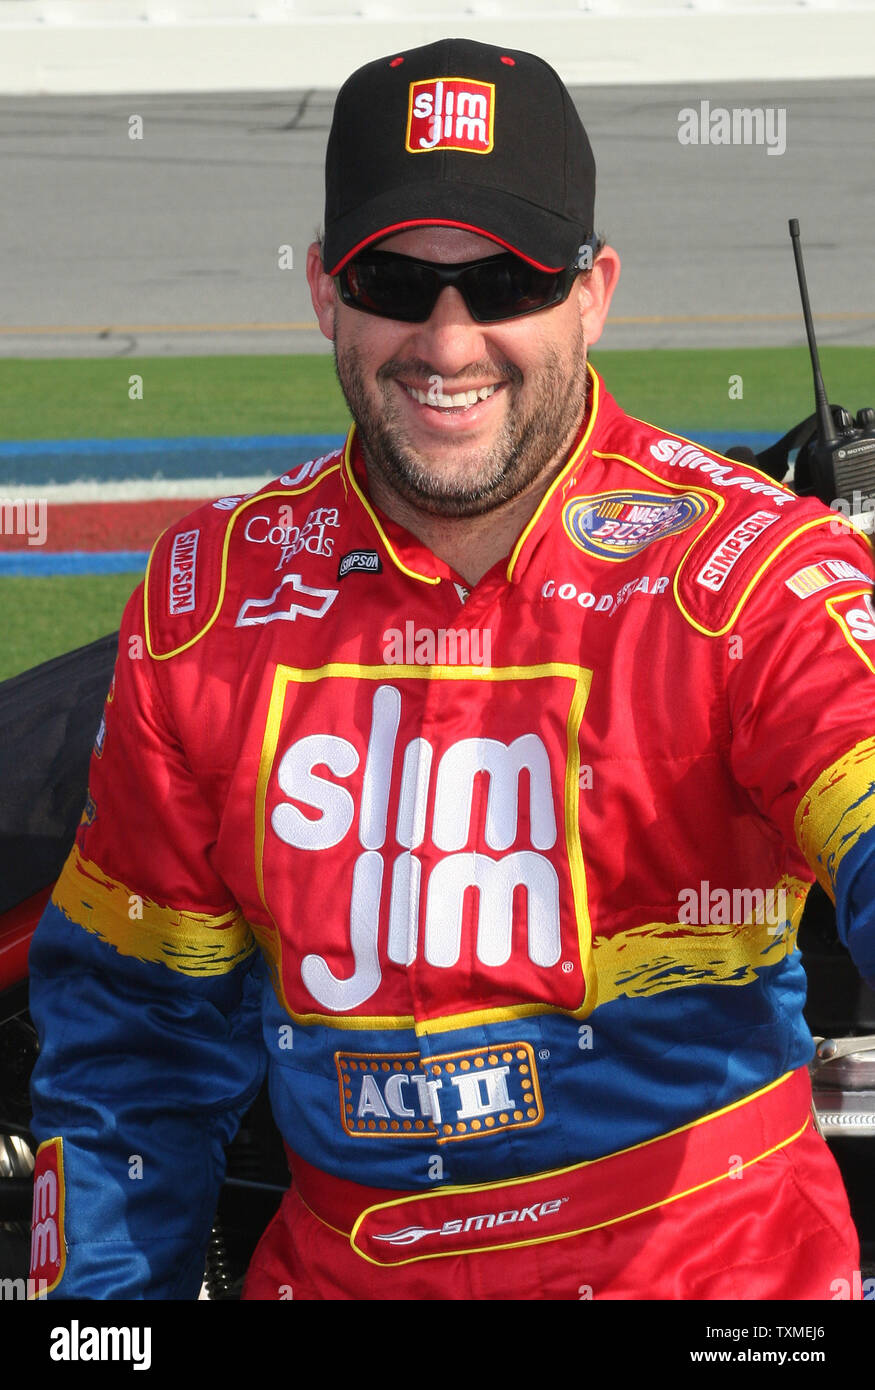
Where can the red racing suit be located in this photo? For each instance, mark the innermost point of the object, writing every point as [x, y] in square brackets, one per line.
[503, 882]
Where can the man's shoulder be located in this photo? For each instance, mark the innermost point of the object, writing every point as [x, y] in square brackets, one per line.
[684, 464]
[743, 526]
[187, 576]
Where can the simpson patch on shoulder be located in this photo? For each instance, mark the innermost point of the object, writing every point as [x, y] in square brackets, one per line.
[723, 568]
[187, 578]
[719, 565]
[183, 578]
[718, 471]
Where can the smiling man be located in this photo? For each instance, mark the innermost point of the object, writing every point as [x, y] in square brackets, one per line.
[413, 763]
[486, 460]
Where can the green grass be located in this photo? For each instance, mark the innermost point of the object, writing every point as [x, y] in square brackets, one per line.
[680, 389]
[689, 390]
[45, 616]
[85, 399]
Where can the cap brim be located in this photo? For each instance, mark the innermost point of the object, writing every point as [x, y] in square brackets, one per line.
[545, 239]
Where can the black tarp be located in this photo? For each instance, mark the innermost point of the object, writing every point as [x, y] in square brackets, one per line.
[48, 719]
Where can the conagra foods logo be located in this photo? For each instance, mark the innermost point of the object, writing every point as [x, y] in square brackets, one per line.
[450, 857]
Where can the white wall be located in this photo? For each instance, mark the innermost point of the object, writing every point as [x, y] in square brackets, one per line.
[115, 46]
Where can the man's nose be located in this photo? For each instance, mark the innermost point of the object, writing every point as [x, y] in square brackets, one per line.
[450, 338]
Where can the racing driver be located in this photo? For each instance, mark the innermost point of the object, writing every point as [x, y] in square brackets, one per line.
[471, 780]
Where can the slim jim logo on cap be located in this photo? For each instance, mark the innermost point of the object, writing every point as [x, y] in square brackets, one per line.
[450, 113]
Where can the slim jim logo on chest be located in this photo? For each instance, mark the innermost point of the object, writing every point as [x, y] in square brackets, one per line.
[450, 113]
[417, 841]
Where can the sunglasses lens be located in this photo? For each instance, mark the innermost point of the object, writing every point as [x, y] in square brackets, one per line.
[508, 287]
[400, 287]
[395, 288]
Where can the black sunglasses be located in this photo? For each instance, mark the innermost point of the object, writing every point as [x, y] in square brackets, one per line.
[402, 287]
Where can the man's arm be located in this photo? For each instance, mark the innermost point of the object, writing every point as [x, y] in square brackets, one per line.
[801, 688]
[145, 993]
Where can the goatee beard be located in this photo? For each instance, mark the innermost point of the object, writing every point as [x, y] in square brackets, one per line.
[525, 447]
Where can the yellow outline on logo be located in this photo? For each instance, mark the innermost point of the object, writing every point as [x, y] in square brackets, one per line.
[270, 937]
[464, 149]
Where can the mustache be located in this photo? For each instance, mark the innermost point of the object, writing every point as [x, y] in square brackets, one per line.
[420, 368]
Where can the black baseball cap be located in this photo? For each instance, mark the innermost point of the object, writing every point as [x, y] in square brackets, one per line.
[463, 134]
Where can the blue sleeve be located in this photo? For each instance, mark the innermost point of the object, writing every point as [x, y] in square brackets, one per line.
[145, 989]
[145, 1074]
[855, 904]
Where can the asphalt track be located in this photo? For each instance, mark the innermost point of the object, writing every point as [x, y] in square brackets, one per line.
[170, 244]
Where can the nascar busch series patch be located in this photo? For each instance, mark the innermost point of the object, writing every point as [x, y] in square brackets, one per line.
[450, 113]
[619, 525]
[457, 1095]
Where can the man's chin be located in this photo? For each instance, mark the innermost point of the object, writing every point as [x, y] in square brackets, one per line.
[424, 486]
[453, 507]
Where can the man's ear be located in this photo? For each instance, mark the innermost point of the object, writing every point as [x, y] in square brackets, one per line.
[322, 291]
[596, 291]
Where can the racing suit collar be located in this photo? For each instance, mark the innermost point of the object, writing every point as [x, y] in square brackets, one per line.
[403, 549]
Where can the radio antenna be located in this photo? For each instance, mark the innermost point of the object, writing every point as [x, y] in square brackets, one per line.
[828, 432]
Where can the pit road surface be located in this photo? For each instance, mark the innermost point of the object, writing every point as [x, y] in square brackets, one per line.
[170, 243]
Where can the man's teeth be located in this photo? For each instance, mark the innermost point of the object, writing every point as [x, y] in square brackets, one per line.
[462, 398]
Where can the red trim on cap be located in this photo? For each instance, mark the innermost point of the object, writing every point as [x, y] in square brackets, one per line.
[439, 222]
[395, 62]
[511, 62]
